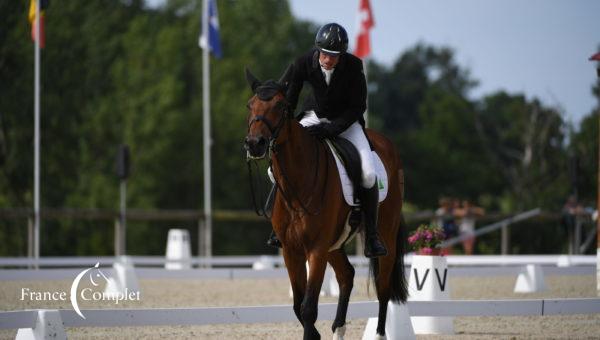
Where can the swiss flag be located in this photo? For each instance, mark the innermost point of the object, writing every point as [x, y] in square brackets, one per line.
[365, 23]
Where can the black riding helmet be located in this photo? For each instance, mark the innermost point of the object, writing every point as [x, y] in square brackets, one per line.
[332, 39]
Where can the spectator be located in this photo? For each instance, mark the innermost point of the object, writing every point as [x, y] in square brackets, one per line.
[468, 214]
[570, 214]
[444, 217]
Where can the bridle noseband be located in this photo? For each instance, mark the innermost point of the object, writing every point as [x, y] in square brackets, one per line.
[285, 108]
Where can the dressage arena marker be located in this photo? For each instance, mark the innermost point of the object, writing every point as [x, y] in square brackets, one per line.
[428, 281]
[179, 249]
[48, 325]
[270, 314]
[397, 324]
[530, 280]
[124, 278]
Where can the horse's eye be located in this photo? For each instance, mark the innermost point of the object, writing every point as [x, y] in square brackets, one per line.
[248, 106]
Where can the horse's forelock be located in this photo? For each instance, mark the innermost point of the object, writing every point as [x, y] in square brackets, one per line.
[267, 90]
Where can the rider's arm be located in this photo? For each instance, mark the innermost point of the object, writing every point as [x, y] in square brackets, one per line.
[357, 98]
[296, 83]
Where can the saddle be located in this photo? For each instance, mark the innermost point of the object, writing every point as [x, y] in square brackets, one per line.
[350, 158]
[349, 167]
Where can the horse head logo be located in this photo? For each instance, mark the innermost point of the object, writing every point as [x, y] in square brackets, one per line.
[95, 275]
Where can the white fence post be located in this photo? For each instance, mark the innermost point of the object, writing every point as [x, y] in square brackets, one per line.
[49, 325]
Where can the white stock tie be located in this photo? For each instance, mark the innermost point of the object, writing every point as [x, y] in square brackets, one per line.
[327, 74]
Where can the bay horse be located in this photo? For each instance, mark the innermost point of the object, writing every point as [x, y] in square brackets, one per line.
[309, 211]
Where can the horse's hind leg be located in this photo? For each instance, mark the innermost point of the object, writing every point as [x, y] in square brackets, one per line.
[295, 263]
[383, 281]
[344, 273]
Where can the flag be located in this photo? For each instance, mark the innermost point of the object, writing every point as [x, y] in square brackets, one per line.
[214, 42]
[365, 23]
[43, 5]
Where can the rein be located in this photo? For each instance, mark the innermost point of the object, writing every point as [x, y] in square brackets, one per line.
[292, 194]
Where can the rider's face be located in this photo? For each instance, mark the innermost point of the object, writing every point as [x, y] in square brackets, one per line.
[328, 61]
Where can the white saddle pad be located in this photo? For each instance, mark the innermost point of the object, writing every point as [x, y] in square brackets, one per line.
[348, 189]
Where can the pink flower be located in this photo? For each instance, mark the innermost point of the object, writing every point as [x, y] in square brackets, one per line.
[426, 251]
[428, 235]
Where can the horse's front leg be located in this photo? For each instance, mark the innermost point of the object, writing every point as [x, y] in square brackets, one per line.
[317, 263]
[295, 263]
[344, 273]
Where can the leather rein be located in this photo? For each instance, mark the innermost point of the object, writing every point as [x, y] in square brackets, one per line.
[283, 107]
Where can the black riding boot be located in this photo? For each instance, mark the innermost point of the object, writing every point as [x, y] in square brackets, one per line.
[273, 241]
[370, 204]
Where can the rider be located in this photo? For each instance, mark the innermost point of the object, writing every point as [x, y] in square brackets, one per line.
[336, 108]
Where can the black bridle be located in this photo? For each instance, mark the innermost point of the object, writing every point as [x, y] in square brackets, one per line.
[284, 112]
[284, 106]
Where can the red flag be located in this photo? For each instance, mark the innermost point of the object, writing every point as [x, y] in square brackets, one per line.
[366, 22]
[32, 21]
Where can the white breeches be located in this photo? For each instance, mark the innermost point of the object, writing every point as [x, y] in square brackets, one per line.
[357, 137]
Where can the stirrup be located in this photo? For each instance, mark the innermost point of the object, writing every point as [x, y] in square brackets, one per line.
[274, 242]
[374, 247]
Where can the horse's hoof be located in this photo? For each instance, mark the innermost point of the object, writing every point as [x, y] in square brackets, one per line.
[339, 333]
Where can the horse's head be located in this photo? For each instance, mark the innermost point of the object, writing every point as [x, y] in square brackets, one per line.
[268, 111]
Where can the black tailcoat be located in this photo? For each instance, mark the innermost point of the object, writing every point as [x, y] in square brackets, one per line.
[345, 99]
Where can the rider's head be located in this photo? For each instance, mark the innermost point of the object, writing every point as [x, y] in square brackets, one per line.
[332, 41]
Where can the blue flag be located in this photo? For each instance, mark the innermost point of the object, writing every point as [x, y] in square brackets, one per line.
[214, 42]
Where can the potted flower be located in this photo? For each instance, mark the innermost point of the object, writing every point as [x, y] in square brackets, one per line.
[426, 240]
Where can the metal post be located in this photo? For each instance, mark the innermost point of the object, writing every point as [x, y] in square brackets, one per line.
[204, 242]
[36, 138]
[30, 241]
[206, 134]
[30, 245]
[123, 219]
[117, 237]
[505, 245]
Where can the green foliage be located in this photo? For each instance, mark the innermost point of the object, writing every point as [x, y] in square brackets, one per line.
[116, 72]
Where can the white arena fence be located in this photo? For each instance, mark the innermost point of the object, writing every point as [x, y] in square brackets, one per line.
[248, 261]
[483, 265]
[284, 313]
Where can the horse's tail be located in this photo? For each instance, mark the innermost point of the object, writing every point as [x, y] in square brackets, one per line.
[398, 284]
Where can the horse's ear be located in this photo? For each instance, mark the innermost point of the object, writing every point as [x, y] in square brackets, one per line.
[286, 77]
[252, 80]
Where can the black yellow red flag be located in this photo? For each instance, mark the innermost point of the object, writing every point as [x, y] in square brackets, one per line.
[43, 5]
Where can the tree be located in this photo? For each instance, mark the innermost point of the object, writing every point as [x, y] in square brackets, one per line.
[524, 142]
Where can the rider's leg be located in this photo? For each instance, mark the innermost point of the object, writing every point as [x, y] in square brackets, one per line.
[369, 193]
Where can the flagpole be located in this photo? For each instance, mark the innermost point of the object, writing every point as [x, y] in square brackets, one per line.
[36, 143]
[206, 241]
[367, 83]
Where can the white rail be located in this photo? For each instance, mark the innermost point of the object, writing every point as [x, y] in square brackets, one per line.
[284, 313]
[234, 274]
[247, 261]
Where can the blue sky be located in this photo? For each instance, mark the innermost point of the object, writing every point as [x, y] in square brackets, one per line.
[536, 47]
